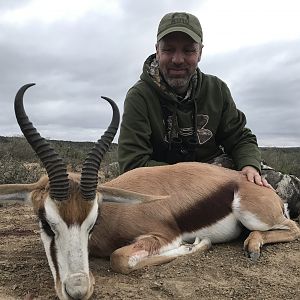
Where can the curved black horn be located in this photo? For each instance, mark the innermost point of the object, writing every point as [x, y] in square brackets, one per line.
[89, 174]
[56, 169]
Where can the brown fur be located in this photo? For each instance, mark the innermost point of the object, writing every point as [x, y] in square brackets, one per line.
[196, 195]
[167, 218]
[273, 206]
[74, 210]
[121, 224]
[206, 212]
[200, 194]
[181, 181]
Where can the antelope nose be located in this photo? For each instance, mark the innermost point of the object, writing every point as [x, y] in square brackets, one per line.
[77, 286]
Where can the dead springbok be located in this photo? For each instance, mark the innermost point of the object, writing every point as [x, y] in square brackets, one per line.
[146, 214]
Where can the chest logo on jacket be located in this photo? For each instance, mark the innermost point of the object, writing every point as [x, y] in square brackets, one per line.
[177, 133]
[203, 134]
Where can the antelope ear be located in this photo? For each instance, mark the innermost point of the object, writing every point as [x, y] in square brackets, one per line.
[12, 193]
[112, 194]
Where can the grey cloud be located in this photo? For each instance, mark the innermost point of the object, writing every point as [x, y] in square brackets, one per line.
[264, 82]
[74, 63]
[8, 5]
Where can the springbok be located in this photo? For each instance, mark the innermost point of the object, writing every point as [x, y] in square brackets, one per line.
[143, 217]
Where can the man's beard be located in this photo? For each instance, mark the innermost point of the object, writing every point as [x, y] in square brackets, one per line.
[179, 85]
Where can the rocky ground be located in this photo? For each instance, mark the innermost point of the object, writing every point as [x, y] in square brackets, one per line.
[221, 273]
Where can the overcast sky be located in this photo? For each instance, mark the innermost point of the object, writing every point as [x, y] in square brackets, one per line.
[75, 51]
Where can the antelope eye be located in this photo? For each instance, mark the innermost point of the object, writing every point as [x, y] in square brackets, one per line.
[91, 229]
[47, 228]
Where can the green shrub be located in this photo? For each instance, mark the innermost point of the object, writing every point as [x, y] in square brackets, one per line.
[285, 160]
[16, 171]
[16, 153]
[18, 149]
[20, 164]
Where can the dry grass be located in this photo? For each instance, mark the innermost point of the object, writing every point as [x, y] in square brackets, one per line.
[19, 164]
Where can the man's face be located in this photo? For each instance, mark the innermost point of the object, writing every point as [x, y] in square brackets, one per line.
[178, 56]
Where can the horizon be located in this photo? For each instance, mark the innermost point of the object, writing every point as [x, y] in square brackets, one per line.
[115, 143]
[77, 51]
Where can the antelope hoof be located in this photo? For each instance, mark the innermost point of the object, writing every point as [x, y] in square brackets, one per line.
[254, 256]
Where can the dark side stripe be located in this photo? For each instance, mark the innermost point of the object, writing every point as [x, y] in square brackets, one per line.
[207, 211]
[54, 258]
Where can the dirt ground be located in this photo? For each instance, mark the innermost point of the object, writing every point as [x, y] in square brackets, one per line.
[221, 273]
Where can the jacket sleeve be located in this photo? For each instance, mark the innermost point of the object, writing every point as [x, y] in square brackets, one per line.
[134, 145]
[238, 141]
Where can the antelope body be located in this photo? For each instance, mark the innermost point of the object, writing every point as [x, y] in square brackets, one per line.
[146, 216]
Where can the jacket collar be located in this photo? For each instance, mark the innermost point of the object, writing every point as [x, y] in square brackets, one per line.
[151, 68]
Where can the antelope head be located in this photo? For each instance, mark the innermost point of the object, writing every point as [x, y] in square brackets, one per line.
[66, 205]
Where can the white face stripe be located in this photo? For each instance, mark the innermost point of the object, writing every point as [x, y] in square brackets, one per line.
[47, 244]
[71, 243]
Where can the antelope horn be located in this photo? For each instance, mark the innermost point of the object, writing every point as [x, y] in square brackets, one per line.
[56, 169]
[89, 174]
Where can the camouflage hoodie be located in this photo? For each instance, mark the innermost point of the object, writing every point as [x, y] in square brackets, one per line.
[160, 127]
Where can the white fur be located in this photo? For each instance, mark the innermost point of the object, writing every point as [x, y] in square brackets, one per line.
[46, 242]
[188, 248]
[71, 242]
[137, 257]
[223, 230]
[286, 210]
[15, 197]
[173, 245]
[247, 218]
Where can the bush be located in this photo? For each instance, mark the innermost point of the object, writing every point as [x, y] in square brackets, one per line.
[285, 160]
[20, 164]
[16, 155]
[16, 171]
[18, 149]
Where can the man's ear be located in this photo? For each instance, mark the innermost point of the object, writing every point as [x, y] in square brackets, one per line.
[200, 51]
[156, 48]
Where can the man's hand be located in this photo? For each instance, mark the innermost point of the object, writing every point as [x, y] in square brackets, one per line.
[253, 176]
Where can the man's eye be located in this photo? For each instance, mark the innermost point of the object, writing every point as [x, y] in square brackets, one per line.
[190, 50]
[47, 228]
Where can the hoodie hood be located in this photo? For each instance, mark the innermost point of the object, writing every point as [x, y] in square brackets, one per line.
[151, 75]
[179, 112]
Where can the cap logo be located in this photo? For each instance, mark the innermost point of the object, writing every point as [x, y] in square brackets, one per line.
[180, 18]
[182, 22]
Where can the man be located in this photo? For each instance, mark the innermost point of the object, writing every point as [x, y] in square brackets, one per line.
[176, 113]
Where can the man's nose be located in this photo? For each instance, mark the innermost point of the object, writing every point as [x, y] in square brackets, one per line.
[178, 58]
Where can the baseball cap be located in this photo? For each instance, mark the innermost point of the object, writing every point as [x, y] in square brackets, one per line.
[180, 21]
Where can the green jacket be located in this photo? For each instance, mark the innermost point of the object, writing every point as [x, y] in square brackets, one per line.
[159, 129]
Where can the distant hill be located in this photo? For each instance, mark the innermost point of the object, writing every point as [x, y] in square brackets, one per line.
[16, 154]
[19, 163]
[18, 148]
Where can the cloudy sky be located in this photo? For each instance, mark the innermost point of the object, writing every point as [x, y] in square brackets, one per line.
[77, 50]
